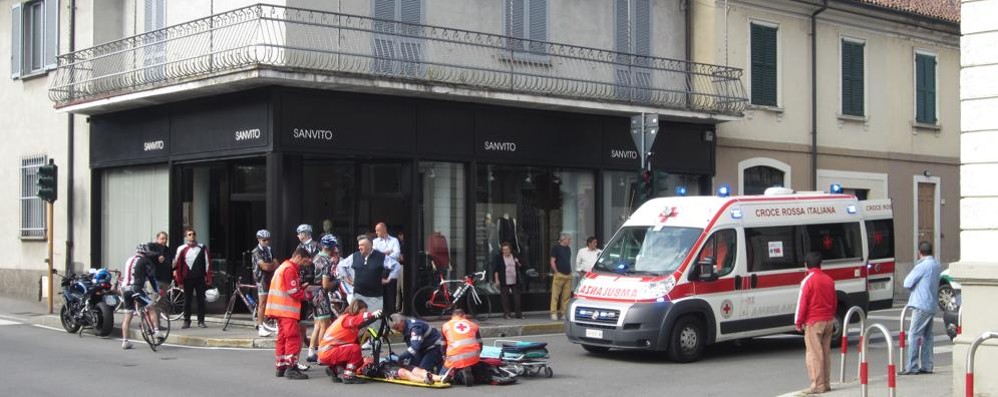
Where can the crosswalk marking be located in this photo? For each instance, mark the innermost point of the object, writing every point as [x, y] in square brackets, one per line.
[8, 322]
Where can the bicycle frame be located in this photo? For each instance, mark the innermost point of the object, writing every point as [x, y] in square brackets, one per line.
[450, 300]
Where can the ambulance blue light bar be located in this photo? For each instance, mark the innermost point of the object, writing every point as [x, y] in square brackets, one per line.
[724, 190]
[680, 190]
[835, 188]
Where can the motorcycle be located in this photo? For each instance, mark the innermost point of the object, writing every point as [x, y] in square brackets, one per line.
[89, 302]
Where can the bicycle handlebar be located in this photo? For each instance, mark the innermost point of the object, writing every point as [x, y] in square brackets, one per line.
[481, 275]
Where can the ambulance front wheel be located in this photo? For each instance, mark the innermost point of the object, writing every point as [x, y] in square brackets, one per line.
[596, 349]
[686, 344]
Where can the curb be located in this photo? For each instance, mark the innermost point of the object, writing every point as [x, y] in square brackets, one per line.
[496, 331]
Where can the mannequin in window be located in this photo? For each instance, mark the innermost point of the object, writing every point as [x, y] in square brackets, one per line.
[491, 236]
[327, 227]
[507, 231]
[439, 252]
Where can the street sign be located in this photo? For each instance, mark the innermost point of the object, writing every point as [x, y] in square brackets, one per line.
[644, 129]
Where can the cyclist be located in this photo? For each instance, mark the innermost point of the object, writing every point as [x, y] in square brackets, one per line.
[307, 276]
[264, 265]
[139, 269]
[325, 264]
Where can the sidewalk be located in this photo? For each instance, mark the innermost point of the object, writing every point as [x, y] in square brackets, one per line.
[241, 334]
[936, 384]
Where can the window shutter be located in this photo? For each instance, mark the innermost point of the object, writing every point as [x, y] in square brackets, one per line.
[51, 34]
[538, 17]
[16, 49]
[764, 68]
[930, 90]
[411, 11]
[514, 18]
[852, 79]
[622, 37]
[642, 27]
[920, 88]
[384, 9]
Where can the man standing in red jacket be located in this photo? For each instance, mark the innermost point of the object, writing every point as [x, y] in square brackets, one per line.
[816, 306]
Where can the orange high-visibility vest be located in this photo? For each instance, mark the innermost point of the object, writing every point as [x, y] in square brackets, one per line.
[279, 300]
[463, 349]
[338, 335]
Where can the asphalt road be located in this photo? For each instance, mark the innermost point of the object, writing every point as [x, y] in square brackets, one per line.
[38, 361]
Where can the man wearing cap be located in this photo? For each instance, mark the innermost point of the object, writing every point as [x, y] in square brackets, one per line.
[325, 266]
[264, 265]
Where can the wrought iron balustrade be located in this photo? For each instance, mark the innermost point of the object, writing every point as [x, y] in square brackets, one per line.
[332, 44]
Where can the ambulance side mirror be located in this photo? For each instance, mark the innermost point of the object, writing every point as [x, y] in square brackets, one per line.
[706, 269]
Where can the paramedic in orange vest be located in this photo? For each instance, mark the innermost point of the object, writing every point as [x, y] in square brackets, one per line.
[339, 349]
[284, 304]
[462, 347]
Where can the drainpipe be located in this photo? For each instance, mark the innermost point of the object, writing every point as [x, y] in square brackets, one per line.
[71, 156]
[814, 94]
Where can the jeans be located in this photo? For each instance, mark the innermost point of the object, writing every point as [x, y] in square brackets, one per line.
[194, 291]
[920, 331]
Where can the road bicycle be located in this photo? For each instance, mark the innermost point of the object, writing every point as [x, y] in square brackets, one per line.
[172, 303]
[147, 328]
[251, 304]
[443, 298]
[161, 302]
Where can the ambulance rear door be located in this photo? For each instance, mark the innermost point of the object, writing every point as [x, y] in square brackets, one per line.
[878, 218]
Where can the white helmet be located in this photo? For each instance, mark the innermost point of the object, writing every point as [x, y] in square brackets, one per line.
[211, 295]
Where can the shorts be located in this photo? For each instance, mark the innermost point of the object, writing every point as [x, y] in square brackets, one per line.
[321, 307]
[263, 286]
[133, 298]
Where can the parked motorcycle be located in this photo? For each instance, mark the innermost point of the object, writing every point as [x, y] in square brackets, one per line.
[89, 302]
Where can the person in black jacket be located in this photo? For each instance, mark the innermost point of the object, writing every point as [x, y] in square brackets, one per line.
[193, 273]
[506, 273]
[139, 269]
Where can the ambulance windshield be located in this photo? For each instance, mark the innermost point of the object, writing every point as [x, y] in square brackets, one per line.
[651, 250]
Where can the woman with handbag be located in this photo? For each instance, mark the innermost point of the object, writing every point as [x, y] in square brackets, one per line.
[506, 273]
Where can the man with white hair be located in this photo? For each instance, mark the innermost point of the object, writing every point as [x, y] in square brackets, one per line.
[366, 270]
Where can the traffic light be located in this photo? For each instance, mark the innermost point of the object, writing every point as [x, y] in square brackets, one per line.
[48, 183]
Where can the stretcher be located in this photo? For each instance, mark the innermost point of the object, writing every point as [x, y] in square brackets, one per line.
[520, 358]
[437, 385]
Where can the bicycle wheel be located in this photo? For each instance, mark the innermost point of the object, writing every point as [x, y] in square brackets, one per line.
[175, 303]
[480, 308]
[164, 328]
[146, 330]
[228, 311]
[425, 304]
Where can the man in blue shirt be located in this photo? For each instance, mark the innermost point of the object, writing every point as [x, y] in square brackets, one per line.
[923, 282]
[561, 280]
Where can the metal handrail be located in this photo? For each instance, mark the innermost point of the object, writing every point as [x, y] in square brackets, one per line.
[969, 387]
[298, 40]
[845, 340]
[864, 372]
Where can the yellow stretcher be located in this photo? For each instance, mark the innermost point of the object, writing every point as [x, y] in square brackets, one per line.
[437, 385]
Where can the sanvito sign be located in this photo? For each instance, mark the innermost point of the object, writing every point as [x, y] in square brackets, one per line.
[497, 146]
[153, 145]
[623, 154]
[312, 134]
[243, 135]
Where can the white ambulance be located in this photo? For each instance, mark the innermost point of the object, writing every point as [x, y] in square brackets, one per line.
[686, 272]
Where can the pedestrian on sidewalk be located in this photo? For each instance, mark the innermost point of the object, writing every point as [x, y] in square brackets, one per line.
[193, 274]
[164, 263]
[506, 274]
[561, 281]
[923, 282]
[369, 270]
[816, 306]
[390, 246]
[264, 265]
[285, 298]
[586, 258]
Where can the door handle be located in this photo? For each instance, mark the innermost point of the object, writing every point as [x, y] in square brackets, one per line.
[755, 281]
[738, 282]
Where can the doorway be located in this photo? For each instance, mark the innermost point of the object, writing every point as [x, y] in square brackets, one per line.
[926, 217]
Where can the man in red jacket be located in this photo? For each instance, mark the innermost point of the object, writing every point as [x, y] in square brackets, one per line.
[816, 306]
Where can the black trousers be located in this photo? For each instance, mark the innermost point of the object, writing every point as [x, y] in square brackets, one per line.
[505, 291]
[391, 291]
[194, 289]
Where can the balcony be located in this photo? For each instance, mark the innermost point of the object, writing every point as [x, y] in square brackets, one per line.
[266, 44]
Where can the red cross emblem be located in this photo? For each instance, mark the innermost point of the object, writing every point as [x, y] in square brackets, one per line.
[462, 328]
[878, 238]
[827, 242]
[726, 308]
[667, 213]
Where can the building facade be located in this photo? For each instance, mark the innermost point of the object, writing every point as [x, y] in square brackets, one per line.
[460, 124]
[875, 110]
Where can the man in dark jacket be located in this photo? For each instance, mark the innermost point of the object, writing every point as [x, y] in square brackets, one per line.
[421, 340]
[193, 264]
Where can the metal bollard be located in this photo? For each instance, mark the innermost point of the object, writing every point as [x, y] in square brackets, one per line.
[959, 321]
[845, 339]
[970, 360]
[864, 373]
[901, 337]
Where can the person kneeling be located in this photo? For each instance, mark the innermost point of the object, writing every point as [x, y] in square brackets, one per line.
[339, 349]
[463, 346]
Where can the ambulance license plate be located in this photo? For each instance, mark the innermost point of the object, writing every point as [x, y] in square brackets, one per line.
[878, 286]
[594, 333]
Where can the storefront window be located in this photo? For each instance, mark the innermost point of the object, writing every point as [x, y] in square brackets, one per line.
[529, 207]
[443, 221]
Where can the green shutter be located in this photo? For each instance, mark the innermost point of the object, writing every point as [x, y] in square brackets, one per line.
[853, 84]
[763, 65]
[925, 89]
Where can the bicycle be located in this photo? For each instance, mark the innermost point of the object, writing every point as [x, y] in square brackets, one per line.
[147, 328]
[173, 306]
[270, 324]
[120, 308]
[445, 297]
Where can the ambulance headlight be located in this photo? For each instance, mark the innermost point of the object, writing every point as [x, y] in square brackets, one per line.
[657, 290]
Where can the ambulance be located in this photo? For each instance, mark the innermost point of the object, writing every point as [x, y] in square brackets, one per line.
[685, 272]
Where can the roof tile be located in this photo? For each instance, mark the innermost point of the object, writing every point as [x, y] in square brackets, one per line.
[946, 10]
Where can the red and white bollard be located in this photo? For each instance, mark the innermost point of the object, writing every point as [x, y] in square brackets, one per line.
[864, 372]
[845, 339]
[902, 339]
[970, 360]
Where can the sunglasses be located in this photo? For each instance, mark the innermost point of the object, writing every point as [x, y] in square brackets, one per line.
[265, 239]
[191, 234]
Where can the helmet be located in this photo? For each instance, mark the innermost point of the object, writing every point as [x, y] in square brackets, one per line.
[102, 276]
[211, 295]
[329, 241]
[262, 234]
[304, 228]
[143, 249]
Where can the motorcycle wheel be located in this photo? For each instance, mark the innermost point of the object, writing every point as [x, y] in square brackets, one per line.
[105, 320]
[68, 323]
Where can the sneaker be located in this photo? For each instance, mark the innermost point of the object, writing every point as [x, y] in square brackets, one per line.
[351, 380]
[312, 358]
[554, 317]
[468, 377]
[187, 324]
[281, 371]
[201, 324]
[158, 335]
[295, 374]
[302, 367]
[366, 346]
[125, 345]
[263, 333]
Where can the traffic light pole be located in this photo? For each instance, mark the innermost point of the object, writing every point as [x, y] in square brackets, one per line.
[50, 210]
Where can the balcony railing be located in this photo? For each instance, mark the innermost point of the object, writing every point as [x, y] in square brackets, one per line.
[339, 45]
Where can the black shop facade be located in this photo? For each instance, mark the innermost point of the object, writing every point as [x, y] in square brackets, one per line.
[452, 180]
